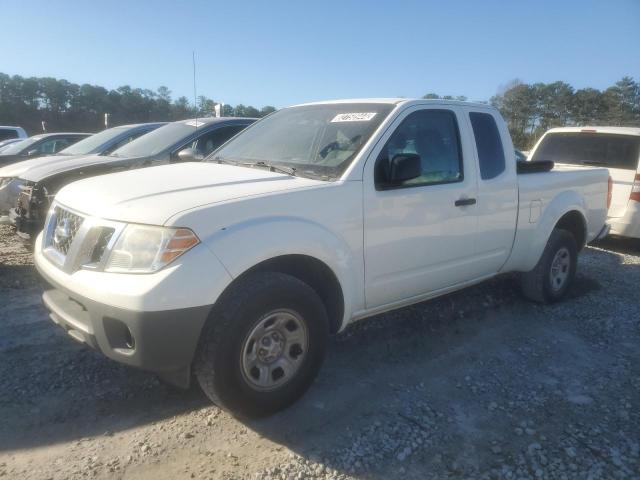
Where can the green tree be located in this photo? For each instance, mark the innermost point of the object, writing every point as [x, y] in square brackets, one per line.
[588, 107]
[266, 110]
[517, 104]
[240, 111]
[623, 102]
[181, 109]
[553, 104]
[251, 112]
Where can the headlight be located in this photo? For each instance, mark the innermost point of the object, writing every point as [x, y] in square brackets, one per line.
[145, 249]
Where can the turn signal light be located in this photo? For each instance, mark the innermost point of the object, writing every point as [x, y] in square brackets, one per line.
[181, 241]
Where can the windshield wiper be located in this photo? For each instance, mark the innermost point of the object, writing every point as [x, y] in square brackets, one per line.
[273, 168]
[221, 160]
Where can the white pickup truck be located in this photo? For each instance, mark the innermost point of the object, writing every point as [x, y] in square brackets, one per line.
[319, 215]
[614, 148]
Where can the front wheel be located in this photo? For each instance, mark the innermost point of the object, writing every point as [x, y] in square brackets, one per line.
[263, 344]
[551, 278]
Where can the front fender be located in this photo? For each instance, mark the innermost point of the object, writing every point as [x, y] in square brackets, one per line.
[532, 236]
[243, 245]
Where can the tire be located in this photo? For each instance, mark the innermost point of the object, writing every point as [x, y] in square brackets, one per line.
[230, 362]
[541, 284]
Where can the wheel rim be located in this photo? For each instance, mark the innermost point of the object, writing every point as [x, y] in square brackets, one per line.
[274, 350]
[560, 268]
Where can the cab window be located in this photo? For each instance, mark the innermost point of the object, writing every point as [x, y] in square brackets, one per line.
[488, 145]
[434, 136]
[212, 140]
[52, 146]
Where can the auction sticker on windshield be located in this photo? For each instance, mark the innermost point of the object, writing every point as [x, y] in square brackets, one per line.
[353, 117]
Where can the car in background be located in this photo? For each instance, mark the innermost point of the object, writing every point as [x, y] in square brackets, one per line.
[102, 143]
[520, 156]
[616, 148]
[7, 133]
[182, 141]
[6, 143]
[39, 145]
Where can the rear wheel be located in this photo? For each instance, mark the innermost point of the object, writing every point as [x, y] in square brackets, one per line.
[552, 276]
[263, 344]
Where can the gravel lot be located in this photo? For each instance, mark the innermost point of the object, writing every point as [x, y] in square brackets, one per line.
[477, 384]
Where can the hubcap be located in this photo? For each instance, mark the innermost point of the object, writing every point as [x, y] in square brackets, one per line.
[560, 267]
[274, 350]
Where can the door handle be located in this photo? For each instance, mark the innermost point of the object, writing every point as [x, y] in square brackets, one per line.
[463, 202]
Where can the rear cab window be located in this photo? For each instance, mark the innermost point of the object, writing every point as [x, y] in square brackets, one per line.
[7, 133]
[491, 156]
[594, 149]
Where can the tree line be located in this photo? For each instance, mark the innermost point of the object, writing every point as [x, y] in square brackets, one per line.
[529, 109]
[532, 109]
[66, 106]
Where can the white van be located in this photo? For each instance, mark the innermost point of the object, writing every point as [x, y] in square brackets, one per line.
[616, 148]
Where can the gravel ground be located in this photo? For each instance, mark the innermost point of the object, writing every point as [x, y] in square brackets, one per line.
[477, 384]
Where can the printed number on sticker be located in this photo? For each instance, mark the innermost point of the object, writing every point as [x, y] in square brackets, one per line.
[354, 117]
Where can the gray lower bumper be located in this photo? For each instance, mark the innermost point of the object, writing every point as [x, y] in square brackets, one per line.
[163, 342]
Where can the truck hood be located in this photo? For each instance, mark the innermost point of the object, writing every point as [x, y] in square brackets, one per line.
[153, 195]
[49, 166]
[17, 170]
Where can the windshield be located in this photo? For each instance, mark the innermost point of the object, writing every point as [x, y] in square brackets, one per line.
[315, 140]
[18, 147]
[582, 148]
[89, 144]
[158, 140]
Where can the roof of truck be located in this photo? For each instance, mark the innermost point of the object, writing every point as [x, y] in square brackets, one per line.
[398, 101]
[596, 129]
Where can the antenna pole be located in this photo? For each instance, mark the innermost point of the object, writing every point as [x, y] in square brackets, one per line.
[195, 98]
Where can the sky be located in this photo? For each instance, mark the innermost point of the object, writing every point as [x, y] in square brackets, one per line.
[285, 52]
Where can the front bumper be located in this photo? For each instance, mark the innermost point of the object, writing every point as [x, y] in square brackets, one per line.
[152, 321]
[163, 342]
[30, 210]
[9, 194]
[26, 228]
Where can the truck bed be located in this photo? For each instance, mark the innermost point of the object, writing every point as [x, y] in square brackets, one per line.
[540, 194]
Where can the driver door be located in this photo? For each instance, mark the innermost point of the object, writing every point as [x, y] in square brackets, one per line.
[419, 235]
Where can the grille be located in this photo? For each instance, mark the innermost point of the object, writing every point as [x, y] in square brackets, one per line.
[65, 229]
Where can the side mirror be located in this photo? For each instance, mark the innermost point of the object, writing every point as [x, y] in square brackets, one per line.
[403, 167]
[188, 155]
[31, 153]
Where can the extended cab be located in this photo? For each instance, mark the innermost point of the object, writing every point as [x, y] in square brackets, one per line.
[314, 217]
